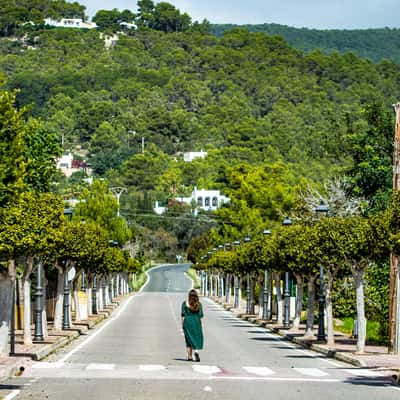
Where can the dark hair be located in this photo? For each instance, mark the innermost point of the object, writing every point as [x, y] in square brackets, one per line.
[194, 302]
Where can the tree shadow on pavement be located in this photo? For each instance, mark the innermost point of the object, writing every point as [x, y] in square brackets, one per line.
[9, 387]
[378, 381]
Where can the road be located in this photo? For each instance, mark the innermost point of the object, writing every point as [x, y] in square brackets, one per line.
[139, 353]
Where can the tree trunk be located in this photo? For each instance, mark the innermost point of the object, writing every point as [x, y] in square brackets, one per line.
[106, 291]
[117, 288]
[299, 301]
[240, 291]
[100, 295]
[7, 281]
[358, 275]
[75, 293]
[330, 335]
[89, 302]
[112, 292]
[26, 282]
[228, 285]
[279, 299]
[58, 312]
[252, 294]
[309, 333]
[260, 295]
[45, 329]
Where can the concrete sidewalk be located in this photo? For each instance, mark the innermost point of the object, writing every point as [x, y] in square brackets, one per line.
[25, 354]
[375, 357]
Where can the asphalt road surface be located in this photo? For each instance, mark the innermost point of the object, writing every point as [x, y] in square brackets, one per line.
[139, 353]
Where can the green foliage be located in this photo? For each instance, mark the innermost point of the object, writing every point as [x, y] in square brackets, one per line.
[31, 225]
[374, 44]
[12, 150]
[100, 206]
[111, 19]
[163, 17]
[371, 148]
[27, 151]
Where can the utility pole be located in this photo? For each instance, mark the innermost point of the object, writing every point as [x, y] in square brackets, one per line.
[117, 191]
[394, 304]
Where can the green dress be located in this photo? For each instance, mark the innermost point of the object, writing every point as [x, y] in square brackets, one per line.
[192, 326]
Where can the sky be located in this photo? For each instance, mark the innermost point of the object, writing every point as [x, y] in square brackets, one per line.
[318, 14]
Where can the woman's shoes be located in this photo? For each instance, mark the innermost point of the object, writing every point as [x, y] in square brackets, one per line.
[190, 359]
[196, 356]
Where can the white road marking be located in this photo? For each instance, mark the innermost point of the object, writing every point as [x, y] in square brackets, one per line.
[154, 367]
[262, 371]
[206, 369]
[272, 378]
[311, 372]
[148, 276]
[363, 372]
[46, 365]
[13, 394]
[102, 367]
[207, 389]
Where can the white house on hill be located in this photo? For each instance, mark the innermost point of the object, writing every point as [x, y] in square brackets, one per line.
[191, 155]
[207, 200]
[70, 23]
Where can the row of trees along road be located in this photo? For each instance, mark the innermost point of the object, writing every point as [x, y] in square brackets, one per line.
[33, 226]
[342, 245]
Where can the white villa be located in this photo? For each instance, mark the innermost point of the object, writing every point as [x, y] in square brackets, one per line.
[207, 200]
[68, 165]
[65, 161]
[70, 23]
[191, 155]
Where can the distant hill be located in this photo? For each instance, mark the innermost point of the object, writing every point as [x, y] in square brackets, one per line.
[374, 44]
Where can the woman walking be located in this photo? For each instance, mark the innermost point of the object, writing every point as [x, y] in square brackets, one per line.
[192, 314]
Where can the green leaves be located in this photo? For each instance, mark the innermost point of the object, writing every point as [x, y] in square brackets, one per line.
[31, 225]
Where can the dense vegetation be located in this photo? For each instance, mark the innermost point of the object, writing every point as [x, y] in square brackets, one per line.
[374, 44]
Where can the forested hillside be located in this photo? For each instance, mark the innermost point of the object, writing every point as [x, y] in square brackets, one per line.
[374, 44]
[263, 110]
[244, 97]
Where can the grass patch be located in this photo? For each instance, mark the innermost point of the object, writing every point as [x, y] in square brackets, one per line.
[193, 275]
[141, 278]
[373, 328]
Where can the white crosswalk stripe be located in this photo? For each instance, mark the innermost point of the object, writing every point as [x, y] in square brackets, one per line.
[311, 372]
[152, 367]
[206, 369]
[101, 367]
[365, 373]
[261, 371]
